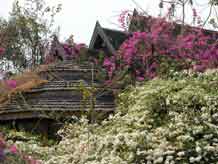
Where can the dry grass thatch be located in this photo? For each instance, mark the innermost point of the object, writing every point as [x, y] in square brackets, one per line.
[24, 82]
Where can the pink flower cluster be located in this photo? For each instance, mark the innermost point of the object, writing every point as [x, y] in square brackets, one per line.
[123, 19]
[72, 51]
[139, 51]
[109, 65]
[192, 47]
[11, 83]
[6, 149]
[2, 51]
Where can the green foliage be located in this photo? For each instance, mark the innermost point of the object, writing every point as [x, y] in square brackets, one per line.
[12, 134]
[26, 34]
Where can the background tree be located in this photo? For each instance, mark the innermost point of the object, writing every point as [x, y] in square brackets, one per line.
[175, 6]
[26, 34]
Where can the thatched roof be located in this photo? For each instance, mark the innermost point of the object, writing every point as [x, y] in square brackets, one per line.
[63, 93]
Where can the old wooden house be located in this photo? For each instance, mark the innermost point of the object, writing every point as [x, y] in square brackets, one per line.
[63, 96]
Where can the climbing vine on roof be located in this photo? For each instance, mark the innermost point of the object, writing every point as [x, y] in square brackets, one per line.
[161, 46]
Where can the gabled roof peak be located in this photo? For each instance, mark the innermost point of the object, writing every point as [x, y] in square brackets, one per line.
[104, 39]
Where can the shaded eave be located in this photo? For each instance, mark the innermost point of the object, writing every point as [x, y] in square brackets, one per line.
[98, 31]
[116, 37]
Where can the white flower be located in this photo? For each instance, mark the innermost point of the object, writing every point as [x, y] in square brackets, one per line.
[210, 148]
[159, 160]
[198, 149]
[195, 159]
[181, 153]
[191, 159]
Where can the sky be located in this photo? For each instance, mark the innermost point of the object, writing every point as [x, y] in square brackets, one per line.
[78, 17]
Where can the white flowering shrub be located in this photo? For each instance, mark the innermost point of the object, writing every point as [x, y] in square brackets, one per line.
[162, 121]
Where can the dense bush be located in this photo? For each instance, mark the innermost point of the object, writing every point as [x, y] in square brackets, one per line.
[161, 121]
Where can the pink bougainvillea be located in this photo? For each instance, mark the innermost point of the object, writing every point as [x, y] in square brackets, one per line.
[13, 149]
[72, 51]
[157, 44]
[109, 65]
[123, 19]
[11, 83]
[192, 47]
[2, 51]
[6, 150]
